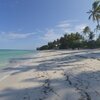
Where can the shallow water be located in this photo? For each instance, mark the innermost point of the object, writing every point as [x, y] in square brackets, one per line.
[6, 55]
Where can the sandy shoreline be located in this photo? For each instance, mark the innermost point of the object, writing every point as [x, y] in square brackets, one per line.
[53, 75]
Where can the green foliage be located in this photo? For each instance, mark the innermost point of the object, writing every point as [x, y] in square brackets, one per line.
[68, 41]
[98, 42]
[86, 30]
[45, 47]
[91, 36]
[95, 13]
[73, 41]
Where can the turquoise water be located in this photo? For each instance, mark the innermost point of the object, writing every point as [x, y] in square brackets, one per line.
[6, 55]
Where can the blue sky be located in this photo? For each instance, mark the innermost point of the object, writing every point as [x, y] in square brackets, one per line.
[27, 24]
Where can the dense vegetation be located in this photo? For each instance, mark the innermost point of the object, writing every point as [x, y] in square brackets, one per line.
[85, 39]
[74, 41]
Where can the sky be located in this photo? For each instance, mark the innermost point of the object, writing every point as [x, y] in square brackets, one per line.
[28, 24]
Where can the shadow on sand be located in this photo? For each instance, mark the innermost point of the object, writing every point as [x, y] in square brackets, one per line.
[82, 82]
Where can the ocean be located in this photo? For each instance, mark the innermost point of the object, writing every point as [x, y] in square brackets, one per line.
[6, 55]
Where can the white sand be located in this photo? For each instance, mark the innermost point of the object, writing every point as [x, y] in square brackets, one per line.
[53, 75]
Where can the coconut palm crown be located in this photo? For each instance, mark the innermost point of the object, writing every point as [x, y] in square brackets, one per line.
[95, 13]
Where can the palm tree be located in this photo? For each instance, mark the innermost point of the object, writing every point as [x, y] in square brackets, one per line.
[98, 39]
[91, 36]
[86, 32]
[95, 13]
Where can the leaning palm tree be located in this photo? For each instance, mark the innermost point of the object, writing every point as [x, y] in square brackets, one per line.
[95, 13]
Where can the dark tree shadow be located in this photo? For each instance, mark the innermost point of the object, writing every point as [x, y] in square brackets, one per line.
[54, 63]
[87, 84]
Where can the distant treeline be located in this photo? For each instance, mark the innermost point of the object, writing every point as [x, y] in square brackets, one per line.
[85, 39]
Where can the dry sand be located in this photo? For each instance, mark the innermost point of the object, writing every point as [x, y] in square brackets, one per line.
[53, 75]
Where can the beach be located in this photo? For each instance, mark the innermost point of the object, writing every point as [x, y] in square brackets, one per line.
[53, 75]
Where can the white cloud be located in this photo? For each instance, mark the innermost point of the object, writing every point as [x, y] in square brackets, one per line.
[63, 25]
[62, 28]
[22, 35]
[51, 35]
[79, 28]
[14, 35]
[68, 26]
[69, 21]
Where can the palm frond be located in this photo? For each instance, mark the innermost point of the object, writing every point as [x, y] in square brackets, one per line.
[95, 4]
